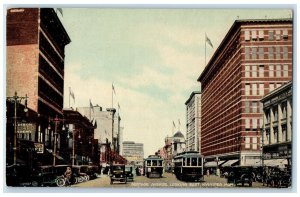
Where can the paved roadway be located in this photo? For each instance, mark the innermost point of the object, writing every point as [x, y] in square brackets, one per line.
[168, 181]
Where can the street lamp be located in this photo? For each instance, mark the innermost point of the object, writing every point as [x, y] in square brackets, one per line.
[16, 99]
[56, 120]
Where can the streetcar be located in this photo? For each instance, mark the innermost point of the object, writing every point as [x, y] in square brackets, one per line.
[188, 166]
[153, 166]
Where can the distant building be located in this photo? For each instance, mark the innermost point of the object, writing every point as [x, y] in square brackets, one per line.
[108, 128]
[254, 58]
[178, 143]
[193, 122]
[133, 152]
[277, 129]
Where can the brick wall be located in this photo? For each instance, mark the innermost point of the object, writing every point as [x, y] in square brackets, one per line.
[22, 72]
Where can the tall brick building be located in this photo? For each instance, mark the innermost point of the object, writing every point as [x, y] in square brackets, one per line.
[254, 58]
[36, 41]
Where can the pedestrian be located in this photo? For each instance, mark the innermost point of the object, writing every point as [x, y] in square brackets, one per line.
[207, 172]
[68, 175]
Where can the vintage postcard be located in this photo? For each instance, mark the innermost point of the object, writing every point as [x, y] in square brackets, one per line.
[149, 97]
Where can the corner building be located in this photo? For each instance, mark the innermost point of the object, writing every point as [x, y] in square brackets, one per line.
[254, 58]
[35, 61]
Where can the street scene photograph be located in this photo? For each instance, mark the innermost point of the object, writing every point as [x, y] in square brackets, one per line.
[110, 97]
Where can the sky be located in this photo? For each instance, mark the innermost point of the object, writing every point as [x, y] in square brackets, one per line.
[152, 56]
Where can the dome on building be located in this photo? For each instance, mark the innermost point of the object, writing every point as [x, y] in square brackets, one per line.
[178, 134]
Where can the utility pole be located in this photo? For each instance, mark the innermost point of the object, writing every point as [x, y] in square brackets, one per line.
[16, 99]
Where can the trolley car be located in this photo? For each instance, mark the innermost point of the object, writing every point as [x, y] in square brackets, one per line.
[153, 166]
[188, 166]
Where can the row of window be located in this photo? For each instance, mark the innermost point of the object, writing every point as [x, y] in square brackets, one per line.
[253, 123]
[259, 70]
[248, 143]
[260, 34]
[253, 107]
[277, 52]
[277, 136]
[254, 89]
[275, 112]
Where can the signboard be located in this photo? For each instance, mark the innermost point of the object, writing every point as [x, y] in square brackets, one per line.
[26, 128]
[39, 148]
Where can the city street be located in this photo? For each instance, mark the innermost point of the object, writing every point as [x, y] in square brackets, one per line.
[169, 180]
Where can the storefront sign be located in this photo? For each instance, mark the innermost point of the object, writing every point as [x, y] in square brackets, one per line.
[26, 128]
[39, 148]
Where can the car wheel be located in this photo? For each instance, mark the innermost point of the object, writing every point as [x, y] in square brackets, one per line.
[60, 182]
[273, 183]
[34, 183]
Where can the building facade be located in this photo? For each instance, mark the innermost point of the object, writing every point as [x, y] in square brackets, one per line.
[277, 128]
[107, 131]
[36, 41]
[78, 144]
[254, 58]
[133, 152]
[193, 122]
[178, 143]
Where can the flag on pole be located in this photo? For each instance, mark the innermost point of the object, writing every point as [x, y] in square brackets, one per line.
[174, 124]
[91, 105]
[72, 94]
[208, 41]
[60, 10]
[113, 89]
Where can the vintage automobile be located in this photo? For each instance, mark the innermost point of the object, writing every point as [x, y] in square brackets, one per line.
[80, 173]
[278, 177]
[93, 171]
[240, 175]
[129, 173]
[118, 173]
[18, 175]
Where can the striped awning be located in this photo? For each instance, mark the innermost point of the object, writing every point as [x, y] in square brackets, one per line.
[275, 162]
[229, 163]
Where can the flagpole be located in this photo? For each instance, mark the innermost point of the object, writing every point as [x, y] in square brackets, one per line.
[205, 49]
[112, 96]
[90, 110]
[69, 96]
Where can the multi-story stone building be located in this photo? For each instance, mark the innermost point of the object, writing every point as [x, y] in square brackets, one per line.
[193, 122]
[36, 41]
[108, 128]
[254, 58]
[277, 128]
[133, 152]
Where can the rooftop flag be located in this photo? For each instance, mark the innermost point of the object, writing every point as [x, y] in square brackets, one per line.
[208, 41]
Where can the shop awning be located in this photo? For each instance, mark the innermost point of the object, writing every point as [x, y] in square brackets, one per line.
[253, 162]
[229, 163]
[275, 162]
[211, 164]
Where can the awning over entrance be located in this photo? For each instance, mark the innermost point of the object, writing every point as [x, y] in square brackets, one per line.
[211, 164]
[230, 163]
[275, 162]
[253, 162]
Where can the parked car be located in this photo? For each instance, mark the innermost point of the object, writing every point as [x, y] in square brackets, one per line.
[118, 173]
[129, 172]
[93, 171]
[241, 175]
[276, 177]
[18, 175]
[80, 173]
